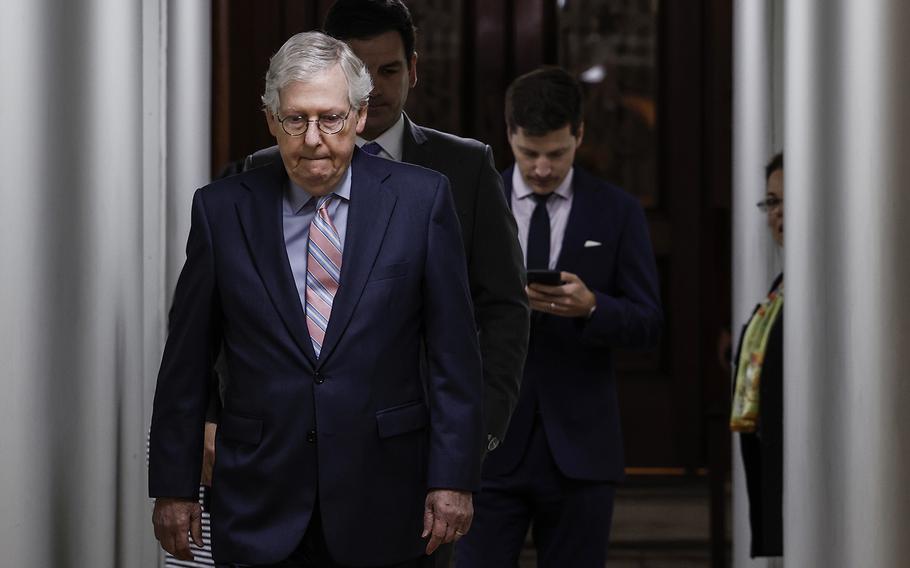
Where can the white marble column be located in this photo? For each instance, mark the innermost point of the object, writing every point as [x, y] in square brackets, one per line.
[189, 102]
[847, 137]
[86, 158]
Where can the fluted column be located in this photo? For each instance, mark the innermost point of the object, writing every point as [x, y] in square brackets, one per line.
[84, 238]
[189, 114]
[847, 135]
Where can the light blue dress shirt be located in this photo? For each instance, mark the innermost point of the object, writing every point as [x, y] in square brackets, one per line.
[298, 211]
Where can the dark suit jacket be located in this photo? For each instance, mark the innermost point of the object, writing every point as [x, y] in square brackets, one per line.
[358, 427]
[568, 375]
[495, 264]
[763, 450]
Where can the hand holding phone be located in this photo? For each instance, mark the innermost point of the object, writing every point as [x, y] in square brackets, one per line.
[571, 299]
[543, 276]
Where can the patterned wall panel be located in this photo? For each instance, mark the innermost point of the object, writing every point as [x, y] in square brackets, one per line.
[611, 46]
[436, 101]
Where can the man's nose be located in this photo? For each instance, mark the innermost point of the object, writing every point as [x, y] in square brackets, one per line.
[542, 167]
[312, 135]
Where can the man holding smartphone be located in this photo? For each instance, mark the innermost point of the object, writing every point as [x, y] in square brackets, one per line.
[592, 283]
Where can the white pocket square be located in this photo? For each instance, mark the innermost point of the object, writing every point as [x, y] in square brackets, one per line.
[589, 244]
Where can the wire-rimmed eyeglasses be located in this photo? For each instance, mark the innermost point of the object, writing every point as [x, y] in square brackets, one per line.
[297, 124]
[769, 204]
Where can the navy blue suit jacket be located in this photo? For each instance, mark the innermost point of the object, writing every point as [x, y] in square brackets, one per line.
[358, 426]
[495, 268]
[568, 374]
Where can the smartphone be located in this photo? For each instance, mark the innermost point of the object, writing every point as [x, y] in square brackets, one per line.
[541, 276]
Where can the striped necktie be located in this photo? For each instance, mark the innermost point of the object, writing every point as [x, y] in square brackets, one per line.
[323, 272]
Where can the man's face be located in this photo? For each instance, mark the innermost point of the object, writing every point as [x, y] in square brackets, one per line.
[316, 161]
[392, 78]
[545, 161]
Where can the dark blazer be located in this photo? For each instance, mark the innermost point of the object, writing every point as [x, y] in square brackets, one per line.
[568, 376]
[495, 264]
[763, 450]
[359, 426]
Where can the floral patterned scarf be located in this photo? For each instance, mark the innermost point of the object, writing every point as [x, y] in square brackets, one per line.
[744, 416]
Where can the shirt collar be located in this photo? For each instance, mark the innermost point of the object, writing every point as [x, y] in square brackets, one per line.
[521, 190]
[297, 197]
[390, 140]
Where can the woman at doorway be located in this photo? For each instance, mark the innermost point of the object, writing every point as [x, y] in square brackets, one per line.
[757, 412]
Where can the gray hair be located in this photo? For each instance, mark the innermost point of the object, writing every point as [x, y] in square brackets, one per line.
[305, 55]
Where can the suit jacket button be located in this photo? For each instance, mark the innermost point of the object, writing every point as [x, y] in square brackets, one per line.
[318, 378]
[492, 442]
[311, 436]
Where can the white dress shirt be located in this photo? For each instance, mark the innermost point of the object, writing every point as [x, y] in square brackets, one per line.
[389, 141]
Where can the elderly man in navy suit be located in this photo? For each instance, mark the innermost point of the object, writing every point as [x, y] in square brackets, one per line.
[324, 276]
[563, 454]
[382, 34]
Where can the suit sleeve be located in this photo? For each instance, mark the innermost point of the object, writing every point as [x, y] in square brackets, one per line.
[185, 378]
[454, 371]
[630, 316]
[500, 304]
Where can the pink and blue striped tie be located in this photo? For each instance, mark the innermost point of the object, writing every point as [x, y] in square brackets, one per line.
[323, 272]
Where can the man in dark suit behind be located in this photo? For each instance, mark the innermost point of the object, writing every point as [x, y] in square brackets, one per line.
[323, 276]
[563, 452]
[382, 34]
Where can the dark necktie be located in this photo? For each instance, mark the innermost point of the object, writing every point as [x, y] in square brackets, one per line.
[539, 234]
[372, 148]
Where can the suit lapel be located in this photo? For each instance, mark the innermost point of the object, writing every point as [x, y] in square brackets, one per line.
[369, 212]
[412, 144]
[507, 185]
[577, 225]
[261, 220]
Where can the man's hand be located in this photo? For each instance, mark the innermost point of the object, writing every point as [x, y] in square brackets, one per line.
[572, 299]
[173, 519]
[208, 454]
[447, 516]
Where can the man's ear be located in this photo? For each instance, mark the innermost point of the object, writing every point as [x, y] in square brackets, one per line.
[412, 71]
[361, 118]
[272, 121]
[580, 135]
